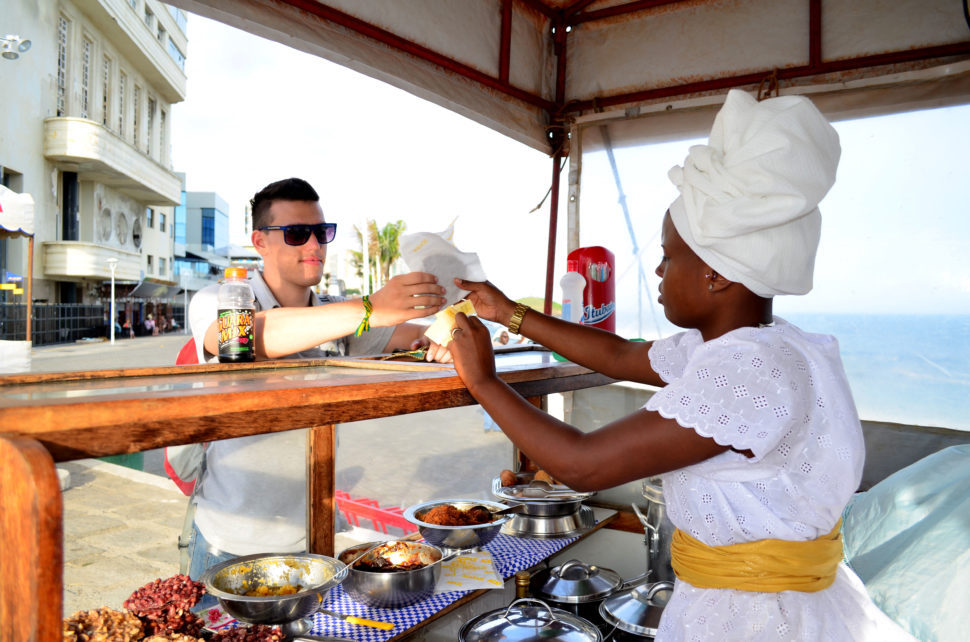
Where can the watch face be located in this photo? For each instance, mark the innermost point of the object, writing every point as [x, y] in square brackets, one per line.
[104, 224]
[121, 228]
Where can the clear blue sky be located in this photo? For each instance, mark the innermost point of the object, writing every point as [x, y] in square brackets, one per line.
[896, 231]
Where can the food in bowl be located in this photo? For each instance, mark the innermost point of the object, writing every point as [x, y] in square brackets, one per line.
[448, 515]
[269, 589]
[392, 556]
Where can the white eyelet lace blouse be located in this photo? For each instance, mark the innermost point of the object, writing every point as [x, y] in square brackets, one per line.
[782, 394]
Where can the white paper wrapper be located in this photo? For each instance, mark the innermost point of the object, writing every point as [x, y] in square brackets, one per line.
[469, 572]
[436, 254]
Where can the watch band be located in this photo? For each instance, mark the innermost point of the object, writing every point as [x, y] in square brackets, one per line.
[517, 315]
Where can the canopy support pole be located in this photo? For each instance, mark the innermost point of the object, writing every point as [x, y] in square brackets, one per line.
[553, 222]
[30, 287]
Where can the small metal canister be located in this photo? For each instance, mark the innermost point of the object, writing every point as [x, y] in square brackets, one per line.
[659, 532]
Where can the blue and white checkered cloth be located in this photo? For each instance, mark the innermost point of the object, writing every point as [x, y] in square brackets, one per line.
[509, 553]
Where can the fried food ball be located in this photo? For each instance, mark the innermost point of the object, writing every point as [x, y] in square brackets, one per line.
[542, 475]
[507, 478]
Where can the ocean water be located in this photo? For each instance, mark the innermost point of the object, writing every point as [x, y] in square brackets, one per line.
[908, 369]
[912, 369]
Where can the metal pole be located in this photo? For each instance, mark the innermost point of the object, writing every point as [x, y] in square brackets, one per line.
[113, 264]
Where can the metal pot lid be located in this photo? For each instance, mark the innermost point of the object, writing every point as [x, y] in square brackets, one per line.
[529, 620]
[637, 610]
[577, 583]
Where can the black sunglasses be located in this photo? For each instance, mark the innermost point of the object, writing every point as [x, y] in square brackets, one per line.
[300, 234]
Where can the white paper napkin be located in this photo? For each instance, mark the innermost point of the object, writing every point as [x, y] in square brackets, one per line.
[436, 253]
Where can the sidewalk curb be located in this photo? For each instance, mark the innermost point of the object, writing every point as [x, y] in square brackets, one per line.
[130, 474]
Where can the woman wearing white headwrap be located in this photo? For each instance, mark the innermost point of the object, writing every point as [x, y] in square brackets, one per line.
[754, 429]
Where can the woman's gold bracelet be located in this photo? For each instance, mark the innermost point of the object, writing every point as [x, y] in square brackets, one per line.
[517, 315]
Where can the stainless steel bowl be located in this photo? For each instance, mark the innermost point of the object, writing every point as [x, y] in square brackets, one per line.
[391, 589]
[315, 574]
[457, 537]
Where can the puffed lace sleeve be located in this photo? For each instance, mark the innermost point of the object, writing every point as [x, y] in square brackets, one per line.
[668, 356]
[741, 392]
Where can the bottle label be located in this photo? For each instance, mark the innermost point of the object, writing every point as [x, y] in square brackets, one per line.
[237, 335]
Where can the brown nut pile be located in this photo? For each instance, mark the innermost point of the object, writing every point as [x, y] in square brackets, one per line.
[254, 633]
[102, 625]
[163, 605]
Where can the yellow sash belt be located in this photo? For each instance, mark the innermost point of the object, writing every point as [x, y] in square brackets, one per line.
[767, 565]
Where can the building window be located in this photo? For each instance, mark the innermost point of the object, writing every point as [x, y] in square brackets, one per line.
[149, 217]
[134, 4]
[209, 226]
[162, 266]
[176, 54]
[179, 16]
[149, 267]
[106, 91]
[63, 26]
[162, 138]
[86, 47]
[160, 34]
[122, 82]
[161, 221]
[151, 125]
[149, 18]
[136, 109]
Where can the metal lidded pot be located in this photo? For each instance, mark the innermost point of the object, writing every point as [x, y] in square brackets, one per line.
[578, 588]
[529, 620]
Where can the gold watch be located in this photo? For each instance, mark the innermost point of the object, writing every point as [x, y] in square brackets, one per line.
[517, 315]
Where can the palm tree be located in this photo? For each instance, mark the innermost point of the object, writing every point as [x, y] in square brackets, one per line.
[383, 248]
[388, 239]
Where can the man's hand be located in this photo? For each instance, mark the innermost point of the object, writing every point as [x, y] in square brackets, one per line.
[405, 297]
[490, 303]
[434, 352]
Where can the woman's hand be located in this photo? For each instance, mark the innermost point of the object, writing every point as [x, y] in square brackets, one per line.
[471, 348]
[490, 303]
[405, 297]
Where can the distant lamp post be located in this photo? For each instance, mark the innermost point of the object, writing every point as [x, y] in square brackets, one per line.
[113, 265]
[13, 46]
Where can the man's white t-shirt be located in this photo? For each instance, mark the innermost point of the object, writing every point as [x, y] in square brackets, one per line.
[252, 498]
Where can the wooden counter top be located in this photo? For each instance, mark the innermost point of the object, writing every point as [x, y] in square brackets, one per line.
[63, 416]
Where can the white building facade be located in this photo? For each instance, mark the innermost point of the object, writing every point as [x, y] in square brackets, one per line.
[85, 129]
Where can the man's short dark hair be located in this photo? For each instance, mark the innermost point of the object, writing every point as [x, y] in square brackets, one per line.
[288, 189]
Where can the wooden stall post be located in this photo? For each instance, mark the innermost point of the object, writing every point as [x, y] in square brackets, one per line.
[31, 540]
[320, 502]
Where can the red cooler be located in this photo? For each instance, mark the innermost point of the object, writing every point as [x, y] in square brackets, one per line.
[599, 298]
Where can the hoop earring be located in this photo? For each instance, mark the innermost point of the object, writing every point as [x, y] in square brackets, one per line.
[710, 286]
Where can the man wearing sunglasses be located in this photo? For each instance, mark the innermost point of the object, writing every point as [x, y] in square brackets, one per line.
[290, 233]
[252, 495]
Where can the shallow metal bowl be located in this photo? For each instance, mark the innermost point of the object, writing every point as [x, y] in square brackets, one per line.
[457, 537]
[392, 589]
[315, 574]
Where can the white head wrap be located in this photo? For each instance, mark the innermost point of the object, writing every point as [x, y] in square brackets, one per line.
[748, 199]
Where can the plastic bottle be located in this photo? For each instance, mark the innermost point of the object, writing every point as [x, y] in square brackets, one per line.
[237, 311]
[572, 284]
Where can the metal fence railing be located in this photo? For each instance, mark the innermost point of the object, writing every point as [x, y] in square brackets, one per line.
[61, 322]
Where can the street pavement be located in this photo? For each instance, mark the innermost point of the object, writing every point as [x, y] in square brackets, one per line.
[121, 524]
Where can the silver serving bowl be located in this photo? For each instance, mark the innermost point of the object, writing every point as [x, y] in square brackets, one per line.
[391, 589]
[315, 575]
[457, 537]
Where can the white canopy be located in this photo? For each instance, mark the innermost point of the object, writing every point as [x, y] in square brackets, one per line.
[16, 212]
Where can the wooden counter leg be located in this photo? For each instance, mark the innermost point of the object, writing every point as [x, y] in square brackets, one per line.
[31, 543]
[321, 454]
